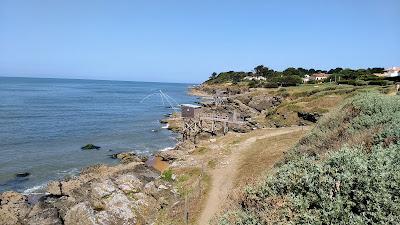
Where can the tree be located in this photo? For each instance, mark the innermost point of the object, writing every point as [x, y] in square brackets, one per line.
[336, 70]
[213, 76]
[258, 70]
[291, 72]
[311, 71]
[376, 70]
[263, 71]
[348, 74]
[302, 71]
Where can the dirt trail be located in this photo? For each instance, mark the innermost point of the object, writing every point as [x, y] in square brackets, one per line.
[224, 175]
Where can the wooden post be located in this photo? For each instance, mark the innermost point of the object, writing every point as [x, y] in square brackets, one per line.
[225, 128]
[186, 216]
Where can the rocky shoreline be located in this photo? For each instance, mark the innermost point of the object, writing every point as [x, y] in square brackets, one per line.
[128, 193]
[138, 189]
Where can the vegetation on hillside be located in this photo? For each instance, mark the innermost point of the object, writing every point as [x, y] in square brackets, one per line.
[345, 172]
[293, 76]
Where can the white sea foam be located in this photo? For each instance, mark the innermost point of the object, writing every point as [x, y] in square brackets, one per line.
[68, 173]
[166, 126]
[39, 189]
[166, 149]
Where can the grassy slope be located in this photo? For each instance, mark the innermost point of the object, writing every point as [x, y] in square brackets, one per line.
[316, 98]
[345, 172]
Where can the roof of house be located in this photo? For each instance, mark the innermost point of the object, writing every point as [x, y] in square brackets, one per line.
[320, 75]
[191, 106]
[393, 69]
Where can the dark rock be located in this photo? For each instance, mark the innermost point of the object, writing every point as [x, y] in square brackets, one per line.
[25, 174]
[127, 157]
[312, 117]
[90, 147]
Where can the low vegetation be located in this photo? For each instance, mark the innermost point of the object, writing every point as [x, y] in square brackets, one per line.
[264, 77]
[346, 171]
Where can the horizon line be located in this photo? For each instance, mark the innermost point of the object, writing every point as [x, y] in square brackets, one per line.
[92, 79]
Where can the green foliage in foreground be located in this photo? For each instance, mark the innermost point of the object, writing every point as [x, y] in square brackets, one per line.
[353, 177]
[368, 119]
[349, 187]
[167, 175]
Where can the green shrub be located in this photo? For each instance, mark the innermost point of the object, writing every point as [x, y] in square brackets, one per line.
[167, 175]
[379, 82]
[360, 83]
[270, 85]
[239, 218]
[346, 171]
[350, 186]
[367, 119]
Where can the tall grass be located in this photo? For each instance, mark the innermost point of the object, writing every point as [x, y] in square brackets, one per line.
[347, 171]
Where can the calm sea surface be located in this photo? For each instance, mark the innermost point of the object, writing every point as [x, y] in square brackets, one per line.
[45, 122]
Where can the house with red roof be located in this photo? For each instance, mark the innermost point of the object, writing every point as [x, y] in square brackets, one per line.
[319, 77]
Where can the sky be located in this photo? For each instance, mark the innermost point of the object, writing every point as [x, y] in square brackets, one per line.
[185, 41]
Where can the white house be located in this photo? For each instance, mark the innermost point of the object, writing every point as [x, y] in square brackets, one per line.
[392, 72]
[319, 76]
[255, 78]
[306, 78]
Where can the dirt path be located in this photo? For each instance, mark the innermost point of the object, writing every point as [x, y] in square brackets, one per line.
[223, 175]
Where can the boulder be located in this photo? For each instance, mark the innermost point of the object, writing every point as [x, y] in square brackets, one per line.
[145, 206]
[7, 217]
[67, 187]
[128, 157]
[171, 155]
[42, 215]
[24, 174]
[129, 183]
[118, 210]
[151, 189]
[13, 207]
[80, 214]
[11, 197]
[263, 102]
[90, 147]
[100, 191]
[54, 188]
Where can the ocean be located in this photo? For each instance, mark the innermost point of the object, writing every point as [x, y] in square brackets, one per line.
[45, 122]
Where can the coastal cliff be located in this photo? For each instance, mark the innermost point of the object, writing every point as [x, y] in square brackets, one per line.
[185, 188]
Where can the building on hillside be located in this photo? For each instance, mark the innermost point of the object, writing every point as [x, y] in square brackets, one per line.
[392, 72]
[319, 76]
[190, 111]
[306, 78]
[258, 78]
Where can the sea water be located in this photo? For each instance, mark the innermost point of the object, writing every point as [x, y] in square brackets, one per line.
[45, 122]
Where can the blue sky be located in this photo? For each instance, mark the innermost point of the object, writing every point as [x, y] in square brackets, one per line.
[185, 41]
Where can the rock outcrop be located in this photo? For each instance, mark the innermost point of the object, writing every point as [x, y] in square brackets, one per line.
[128, 157]
[263, 102]
[90, 147]
[13, 208]
[130, 193]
